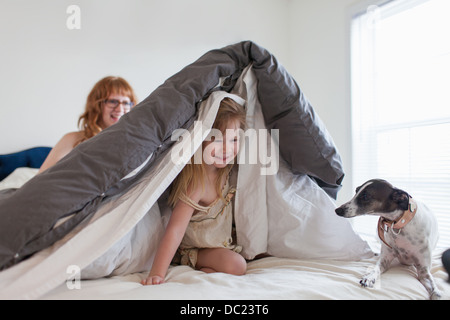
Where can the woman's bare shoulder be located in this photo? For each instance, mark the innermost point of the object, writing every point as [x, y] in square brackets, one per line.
[69, 141]
[72, 137]
[62, 148]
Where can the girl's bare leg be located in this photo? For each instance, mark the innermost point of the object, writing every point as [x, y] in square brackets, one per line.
[221, 260]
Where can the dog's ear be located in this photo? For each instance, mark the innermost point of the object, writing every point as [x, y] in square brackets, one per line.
[401, 198]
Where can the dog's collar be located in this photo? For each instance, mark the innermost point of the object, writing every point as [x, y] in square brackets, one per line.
[396, 226]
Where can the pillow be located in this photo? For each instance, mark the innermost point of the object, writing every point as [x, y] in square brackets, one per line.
[18, 178]
[303, 224]
[282, 212]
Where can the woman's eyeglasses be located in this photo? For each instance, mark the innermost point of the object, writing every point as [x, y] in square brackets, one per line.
[114, 103]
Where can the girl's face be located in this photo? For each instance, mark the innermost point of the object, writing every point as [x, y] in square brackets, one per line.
[114, 108]
[223, 147]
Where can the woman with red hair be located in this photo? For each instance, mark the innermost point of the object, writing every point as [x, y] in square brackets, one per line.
[108, 101]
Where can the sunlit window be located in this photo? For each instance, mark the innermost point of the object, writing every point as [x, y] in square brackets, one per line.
[400, 54]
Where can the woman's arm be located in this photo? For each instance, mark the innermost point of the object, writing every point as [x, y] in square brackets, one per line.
[170, 242]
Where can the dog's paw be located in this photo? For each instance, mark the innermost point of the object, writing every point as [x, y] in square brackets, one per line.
[368, 281]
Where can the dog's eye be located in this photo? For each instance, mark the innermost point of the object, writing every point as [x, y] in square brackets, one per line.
[364, 196]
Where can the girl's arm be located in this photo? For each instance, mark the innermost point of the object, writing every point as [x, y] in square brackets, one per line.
[170, 242]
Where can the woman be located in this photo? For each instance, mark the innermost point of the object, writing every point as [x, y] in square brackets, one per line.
[108, 100]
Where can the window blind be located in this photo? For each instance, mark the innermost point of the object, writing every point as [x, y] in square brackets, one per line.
[400, 60]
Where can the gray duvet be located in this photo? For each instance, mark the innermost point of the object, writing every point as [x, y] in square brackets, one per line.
[93, 172]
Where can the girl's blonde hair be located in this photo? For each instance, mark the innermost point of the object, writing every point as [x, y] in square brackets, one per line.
[90, 121]
[193, 175]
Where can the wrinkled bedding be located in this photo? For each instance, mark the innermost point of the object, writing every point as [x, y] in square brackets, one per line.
[266, 279]
[82, 182]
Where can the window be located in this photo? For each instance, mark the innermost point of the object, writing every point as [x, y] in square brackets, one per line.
[400, 60]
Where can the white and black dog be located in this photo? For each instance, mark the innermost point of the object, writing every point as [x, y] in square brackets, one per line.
[407, 228]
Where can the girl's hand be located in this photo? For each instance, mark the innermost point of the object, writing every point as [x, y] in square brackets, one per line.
[171, 240]
[151, 280]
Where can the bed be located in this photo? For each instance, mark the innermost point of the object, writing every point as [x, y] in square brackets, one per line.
[95, 225]
[268, 278]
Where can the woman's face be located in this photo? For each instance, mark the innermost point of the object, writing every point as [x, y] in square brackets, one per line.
[114, 108]
[224, 147]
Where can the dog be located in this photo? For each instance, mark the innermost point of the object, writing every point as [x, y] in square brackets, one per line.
[407, 229]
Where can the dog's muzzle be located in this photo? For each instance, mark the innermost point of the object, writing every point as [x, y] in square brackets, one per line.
[340, 211]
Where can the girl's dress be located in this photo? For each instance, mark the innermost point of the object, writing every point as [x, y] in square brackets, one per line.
[209, 227]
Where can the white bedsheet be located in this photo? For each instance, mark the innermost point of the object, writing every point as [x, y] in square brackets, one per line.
[268, 278]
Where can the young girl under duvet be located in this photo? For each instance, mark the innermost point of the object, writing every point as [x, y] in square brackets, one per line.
[200, 227]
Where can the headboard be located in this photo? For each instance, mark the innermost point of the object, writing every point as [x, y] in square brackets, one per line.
[33, 158]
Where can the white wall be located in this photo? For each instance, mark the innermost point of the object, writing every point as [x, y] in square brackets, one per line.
[47, 70]
[320, 62]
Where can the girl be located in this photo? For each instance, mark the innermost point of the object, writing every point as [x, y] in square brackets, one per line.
[201, 223]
